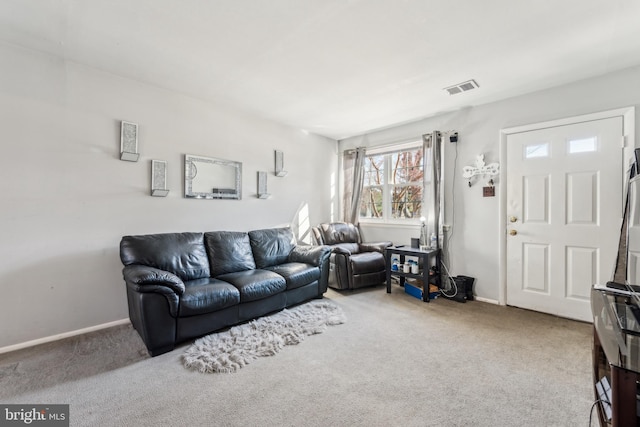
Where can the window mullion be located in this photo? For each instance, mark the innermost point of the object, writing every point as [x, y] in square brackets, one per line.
[386, 192]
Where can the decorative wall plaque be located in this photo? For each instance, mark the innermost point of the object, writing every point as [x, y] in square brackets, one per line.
[159, 178]
[129, 141]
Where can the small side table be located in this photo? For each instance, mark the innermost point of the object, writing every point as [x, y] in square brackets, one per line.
[424, 257]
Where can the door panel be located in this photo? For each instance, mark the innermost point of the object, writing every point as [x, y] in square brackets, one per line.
[582, 195]
[582, 271]
[536, 199]
[536, 268]
[564, 201]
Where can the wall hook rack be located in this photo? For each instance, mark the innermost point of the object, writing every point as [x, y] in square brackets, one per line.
[480, 168]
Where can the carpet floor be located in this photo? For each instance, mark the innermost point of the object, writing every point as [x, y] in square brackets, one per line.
[396, 362]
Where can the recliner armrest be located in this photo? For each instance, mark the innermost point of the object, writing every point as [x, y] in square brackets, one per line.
[141, 276]
[374, 246]
[309, 254]
[341, 250]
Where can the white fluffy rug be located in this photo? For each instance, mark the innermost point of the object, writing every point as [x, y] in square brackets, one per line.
[231, 350]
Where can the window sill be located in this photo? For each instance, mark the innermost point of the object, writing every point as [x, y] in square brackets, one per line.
[388, 224]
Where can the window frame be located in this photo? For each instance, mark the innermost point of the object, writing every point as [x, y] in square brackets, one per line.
[387, 186]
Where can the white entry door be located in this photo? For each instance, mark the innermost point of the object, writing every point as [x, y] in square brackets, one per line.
[564, 212]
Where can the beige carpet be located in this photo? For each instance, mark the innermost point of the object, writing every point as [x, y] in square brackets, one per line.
[397, 362]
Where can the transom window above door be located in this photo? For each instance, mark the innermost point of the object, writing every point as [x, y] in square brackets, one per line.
[583, 145]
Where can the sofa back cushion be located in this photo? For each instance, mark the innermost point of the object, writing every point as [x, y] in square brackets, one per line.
[182, 254]
[339, 232]
[271, 246]
[229, 251]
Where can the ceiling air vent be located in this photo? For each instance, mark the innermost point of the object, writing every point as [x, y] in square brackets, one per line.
[461, 87]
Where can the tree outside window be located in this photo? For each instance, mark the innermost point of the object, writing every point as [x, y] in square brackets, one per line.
[393, 186]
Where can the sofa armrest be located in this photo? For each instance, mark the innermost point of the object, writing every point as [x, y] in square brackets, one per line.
[374, 246]
[142, 276]
[313, 255]
[141, 279]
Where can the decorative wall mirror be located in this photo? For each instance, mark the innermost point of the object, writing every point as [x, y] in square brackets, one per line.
[211, 178]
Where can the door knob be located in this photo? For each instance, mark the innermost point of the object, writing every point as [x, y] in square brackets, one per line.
[513, 219]
[513, 232]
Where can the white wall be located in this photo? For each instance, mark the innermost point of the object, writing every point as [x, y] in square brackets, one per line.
[475, 239]
[67, 199]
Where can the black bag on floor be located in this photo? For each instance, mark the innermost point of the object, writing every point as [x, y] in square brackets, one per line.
[467, 286]
[460, 294]
[463, 291]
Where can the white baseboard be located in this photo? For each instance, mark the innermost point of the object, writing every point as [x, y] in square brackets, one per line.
[57, 337]
[488, 300]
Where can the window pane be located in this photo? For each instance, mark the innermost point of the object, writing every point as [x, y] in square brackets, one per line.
[406, 201]
[406, 167]
[537, 150]
[373, 170]
[582, 145]
[371, 202]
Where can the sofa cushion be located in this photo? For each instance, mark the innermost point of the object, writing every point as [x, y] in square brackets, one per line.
[255, 284]
[296, 274]
[271, 246]
[367, 262]
[207, 295]
[228, 251]
[182, 254]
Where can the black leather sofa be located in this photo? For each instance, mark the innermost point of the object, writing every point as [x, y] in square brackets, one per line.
[353, 264]
[185, 285]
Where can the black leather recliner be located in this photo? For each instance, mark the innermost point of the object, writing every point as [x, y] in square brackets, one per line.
[352, 263]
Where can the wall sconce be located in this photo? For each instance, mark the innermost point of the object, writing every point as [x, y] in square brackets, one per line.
[129, 141]
[280, 164]
[262, 186]
[480, 168]
[159, 178]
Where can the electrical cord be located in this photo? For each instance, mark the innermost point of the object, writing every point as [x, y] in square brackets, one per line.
[594, 405]
[451, 281]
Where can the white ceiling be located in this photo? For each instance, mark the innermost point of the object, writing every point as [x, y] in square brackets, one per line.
[336, 67]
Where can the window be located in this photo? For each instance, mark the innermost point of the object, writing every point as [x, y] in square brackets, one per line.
[536, 150]
[584, 145]
[393, 185]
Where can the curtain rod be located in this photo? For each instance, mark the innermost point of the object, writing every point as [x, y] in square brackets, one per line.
[351, 150]
[402, 141]
[417, 140]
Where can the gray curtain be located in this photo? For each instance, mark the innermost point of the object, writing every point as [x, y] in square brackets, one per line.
[432, 145]
[353, 162]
